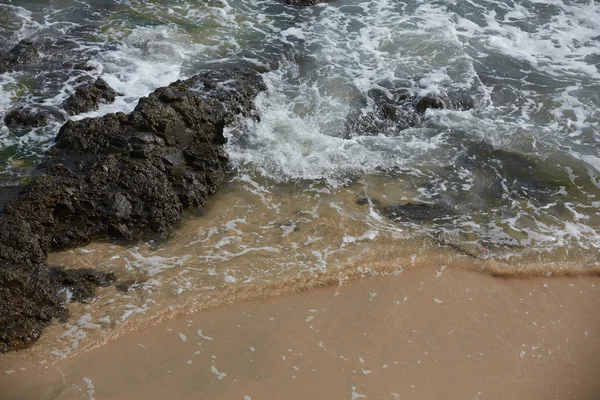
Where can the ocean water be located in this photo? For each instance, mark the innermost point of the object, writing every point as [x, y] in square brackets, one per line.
[315, 181]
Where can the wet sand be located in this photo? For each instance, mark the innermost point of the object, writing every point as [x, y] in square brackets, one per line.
[425, 333]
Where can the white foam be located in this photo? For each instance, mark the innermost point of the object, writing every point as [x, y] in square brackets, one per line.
[355, 395]
[148, 58]
[301, 132]
[220, 375]
[153, 265]
[199, 332]
[369, 235]
[90, 387]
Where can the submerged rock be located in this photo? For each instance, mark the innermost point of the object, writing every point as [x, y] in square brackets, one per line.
[88, 97]
[129, 285]
[503, 175]
[23, 117]
[306, 2]
[386, 112]
[383, 112]
[410, 212]
[125, 177]
[81, 283]
[417, 212]
[24, 53]
[456, 101]
[429, 101]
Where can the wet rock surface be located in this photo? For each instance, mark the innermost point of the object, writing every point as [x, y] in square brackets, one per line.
[393, 109]
[81, 282]
[24, 53]
[88, 97]
[456, 101]
[306, 2]
[125, 177]
[42, 68]
[417, 212]
[504, 175]
[29, 301]
[23, 117]
[8, 194]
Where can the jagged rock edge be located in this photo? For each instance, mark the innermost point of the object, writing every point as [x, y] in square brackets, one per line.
[118, 176]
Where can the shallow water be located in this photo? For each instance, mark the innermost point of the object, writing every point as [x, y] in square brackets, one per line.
[306, 203]
[258, 240]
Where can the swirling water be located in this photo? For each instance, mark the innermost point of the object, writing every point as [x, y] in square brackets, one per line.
[312, 179]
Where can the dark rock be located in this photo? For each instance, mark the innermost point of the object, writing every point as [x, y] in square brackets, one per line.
[390, 107]
[81, 282]
[456, 101]
[80, 66]
[502, 174]
[24, 53]
[430, 101]
[392, 111]
[89, 97]
[29, 300]
[395, 108]
[7, 194]
[128, 286]
[20, 242]
[26, 118]
[125, 177]
[362, 201]
[417, 212]
[306, 2]
[411, 212]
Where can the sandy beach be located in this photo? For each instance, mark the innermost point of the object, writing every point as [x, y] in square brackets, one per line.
[425, 333]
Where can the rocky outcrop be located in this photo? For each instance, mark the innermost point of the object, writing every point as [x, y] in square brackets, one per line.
[126, 177]
[397, 108]
[29, 301]
[23, 117]
[46, 66]
[24, 53]
[388, 112]
[88, 97]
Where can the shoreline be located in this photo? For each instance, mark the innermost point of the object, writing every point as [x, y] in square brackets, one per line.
[518, 338]
[117, 312]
